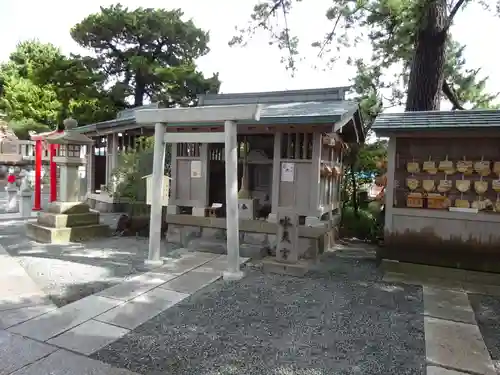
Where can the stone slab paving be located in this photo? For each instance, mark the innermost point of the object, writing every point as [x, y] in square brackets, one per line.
[93, 322]
[136, 286]
[434, 370]
[58, 321]
[12, 317]
[457, 346]
[448, 305]
[63, 362]
[487, 310]
[142, 308]
[340, 320]
[17, 352]
[89, 337]
[192, 281]
[67, 273]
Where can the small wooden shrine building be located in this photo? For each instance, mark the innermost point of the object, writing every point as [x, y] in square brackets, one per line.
[443, 188]
[289, 157]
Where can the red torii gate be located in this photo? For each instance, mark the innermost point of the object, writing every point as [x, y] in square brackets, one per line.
[39, 139]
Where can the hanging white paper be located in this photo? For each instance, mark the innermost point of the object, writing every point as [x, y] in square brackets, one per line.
[195, 168]
[287, 172]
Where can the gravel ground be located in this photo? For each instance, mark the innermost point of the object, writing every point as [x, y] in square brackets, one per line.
[341, 319]
[70, 272]
[487, 311]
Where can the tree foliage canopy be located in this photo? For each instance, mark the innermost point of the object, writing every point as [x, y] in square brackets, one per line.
[134, 55]
[147, 53]
[409, 37]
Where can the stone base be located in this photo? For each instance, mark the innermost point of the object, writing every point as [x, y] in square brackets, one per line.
[233, 276]
[45, 234]
[68, 208]
[48, 219]
[298, 269]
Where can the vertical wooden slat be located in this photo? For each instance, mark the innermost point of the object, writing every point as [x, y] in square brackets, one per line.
[305, 146]
[297, 146]
[289, 146]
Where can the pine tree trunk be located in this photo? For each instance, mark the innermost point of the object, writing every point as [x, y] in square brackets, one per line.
[426, 74]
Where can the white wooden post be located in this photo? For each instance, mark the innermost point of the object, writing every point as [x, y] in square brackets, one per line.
[157, 191]
[233, 242]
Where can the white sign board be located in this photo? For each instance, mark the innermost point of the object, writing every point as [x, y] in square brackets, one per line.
[287, 172]
[195, 168]
[149, 191]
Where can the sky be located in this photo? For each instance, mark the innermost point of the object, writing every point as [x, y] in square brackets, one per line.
[255, 67]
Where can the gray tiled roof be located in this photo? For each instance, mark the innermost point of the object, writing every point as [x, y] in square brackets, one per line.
[275, 97]
[310, 109]
[484, 118]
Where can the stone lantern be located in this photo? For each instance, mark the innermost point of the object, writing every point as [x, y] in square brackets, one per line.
[68, 219]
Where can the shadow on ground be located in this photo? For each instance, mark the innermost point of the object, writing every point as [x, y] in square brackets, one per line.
[67, 273]
[340, 319]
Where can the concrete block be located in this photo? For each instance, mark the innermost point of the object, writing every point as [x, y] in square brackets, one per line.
[199, 211]
[254, 238]
[88, 337]
[174, 233]
[188, 233]
[142, 308]
[208, 245]
[253, 251]
[55, 322]
[298, 269]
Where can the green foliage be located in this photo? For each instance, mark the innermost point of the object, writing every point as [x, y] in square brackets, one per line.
[362, 225]
[147, 53]
[21, 128]
[127, 179]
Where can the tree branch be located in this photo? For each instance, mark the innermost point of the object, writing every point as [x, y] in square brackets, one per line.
[451, 96]
[453, 13]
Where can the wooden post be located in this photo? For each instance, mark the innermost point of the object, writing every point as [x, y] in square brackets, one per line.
[233, 242]
[157, 192]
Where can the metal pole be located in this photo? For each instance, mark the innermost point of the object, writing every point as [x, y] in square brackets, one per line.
[233, 242]
[157, 192]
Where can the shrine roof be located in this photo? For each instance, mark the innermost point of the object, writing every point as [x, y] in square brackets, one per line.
[436, 120]
[292, 107]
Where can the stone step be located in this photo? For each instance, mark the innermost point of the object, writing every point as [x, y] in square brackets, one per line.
[48, 219]
[44, 234]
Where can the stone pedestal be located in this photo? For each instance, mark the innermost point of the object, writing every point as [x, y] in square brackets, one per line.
[25, 202]
[12, 199]
[286, 260]
[66, 222]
